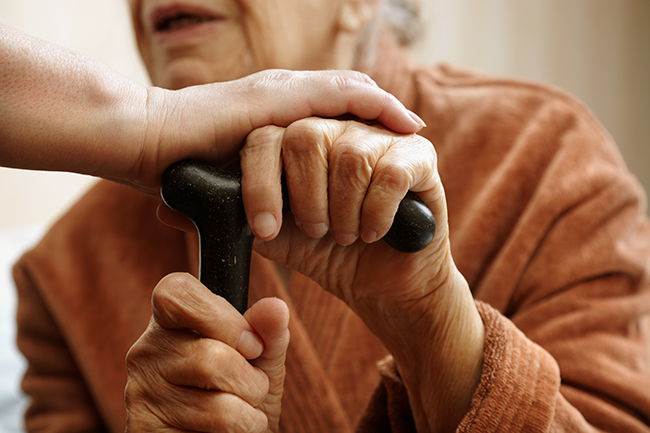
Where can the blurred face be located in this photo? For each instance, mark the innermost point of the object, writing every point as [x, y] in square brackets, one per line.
[188, 42]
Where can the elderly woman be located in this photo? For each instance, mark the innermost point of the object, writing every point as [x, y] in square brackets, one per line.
[528, 312]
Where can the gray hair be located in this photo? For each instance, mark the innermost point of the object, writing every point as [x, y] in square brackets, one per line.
[403, 16]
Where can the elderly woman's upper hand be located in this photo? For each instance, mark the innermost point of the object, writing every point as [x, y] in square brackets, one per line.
[345, 182]
[190, 370]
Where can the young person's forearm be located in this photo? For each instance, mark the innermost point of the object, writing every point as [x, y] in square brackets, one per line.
[61, 110]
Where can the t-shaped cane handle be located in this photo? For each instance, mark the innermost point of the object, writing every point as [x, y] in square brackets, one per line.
[212, 199]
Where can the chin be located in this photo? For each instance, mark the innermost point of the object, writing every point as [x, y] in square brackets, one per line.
[179, 74]
[192, 72]
[181, 81]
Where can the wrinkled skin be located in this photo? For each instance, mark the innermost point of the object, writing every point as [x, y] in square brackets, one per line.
[346, 180]
[340, 211]
[242, 37]
[173, 384]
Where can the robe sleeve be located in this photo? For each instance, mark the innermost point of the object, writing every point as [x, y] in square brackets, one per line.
[520, 391]
[508, 387]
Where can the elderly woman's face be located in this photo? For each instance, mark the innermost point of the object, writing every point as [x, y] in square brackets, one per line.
[187, 42]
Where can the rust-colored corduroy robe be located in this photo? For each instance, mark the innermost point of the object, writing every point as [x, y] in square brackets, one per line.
[546, 224]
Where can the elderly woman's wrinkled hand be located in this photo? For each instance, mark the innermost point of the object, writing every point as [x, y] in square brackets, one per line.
[202, 366]
[345, 181]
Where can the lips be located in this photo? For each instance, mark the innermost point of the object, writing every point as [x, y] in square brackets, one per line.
[180, 21]
[180, 17]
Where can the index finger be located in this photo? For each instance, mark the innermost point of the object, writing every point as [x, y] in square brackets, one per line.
[287, 96]
[180, 302]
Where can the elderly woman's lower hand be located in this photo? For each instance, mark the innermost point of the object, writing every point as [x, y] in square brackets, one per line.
[345, 182]
[201, 366]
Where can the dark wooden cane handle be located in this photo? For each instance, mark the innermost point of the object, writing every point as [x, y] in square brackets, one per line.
[212, 199]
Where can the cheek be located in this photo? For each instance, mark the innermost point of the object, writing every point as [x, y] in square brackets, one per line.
[260, 36]
[277, 35]
[230, 56]
[299, 40]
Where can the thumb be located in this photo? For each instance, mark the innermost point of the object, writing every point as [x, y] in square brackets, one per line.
[270, 319]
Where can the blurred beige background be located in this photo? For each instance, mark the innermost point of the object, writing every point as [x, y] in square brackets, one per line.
[599, 50]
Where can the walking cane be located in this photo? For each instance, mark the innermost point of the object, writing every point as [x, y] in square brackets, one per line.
[212, 199]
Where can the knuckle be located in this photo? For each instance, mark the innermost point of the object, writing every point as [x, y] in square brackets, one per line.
[143, 389]
[393, 177]
[143, 349]
[261, 136]
[234, 415]
[208, 357]
[258, 385]
[142, 373]
[171, 286]
[134, 393]
[168, 292]
[345, 83]
[348, 80]
[229, 413]
[301, 136]
[252, 387]
[133, 357]
[260, 143]
[352, 161]
[131, 392]
[217, 366]
[360, 76]
[268, 77]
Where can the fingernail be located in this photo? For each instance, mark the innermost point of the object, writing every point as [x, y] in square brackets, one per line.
[249, 345]
[417, 119]
[265, 224]
[315, 230]
[345, 239]
[368, 236]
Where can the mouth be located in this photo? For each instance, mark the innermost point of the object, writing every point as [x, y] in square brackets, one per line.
[180, 21]
[180, 17]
